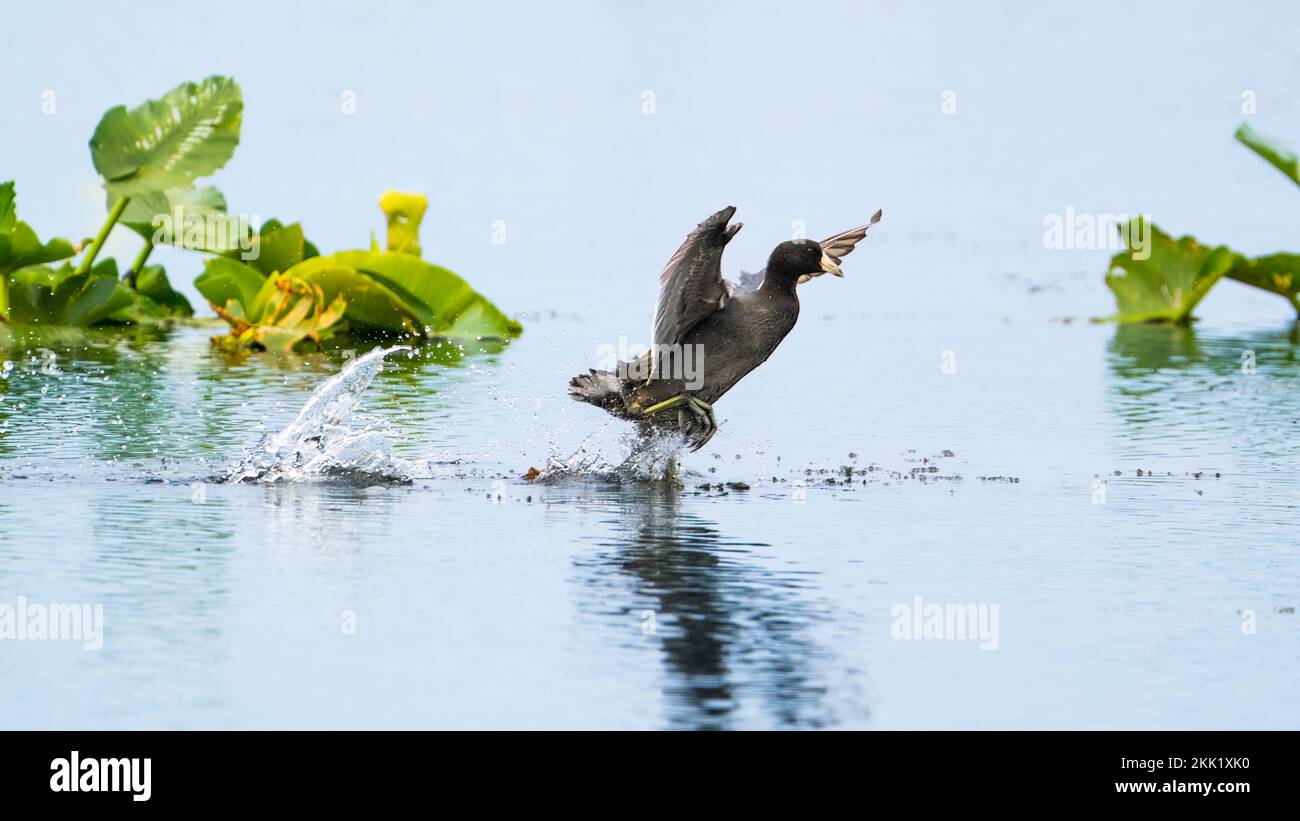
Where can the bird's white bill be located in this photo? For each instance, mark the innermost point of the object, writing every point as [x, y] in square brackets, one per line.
[830, 265]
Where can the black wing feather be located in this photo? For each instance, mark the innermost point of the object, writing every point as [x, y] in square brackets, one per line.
[691, 286]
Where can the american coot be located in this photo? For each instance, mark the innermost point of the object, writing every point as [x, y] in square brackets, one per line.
[709, 333]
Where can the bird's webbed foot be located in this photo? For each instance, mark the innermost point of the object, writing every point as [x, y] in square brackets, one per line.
[695, 418]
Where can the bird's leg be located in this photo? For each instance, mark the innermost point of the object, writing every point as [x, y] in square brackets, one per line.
[702, 412]
[679, 399]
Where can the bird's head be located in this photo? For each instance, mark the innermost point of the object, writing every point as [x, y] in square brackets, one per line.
[795, 259]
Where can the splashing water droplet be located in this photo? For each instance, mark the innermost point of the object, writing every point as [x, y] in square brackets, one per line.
[318, 444]
[649, 456]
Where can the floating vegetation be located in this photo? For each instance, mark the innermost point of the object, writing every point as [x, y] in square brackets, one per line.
[285, 311]
[390, 292]
[149, 158]
[271, 286]
[1164, 280]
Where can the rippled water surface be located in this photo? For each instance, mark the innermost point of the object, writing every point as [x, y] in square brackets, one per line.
[481, 599]
[944, 422]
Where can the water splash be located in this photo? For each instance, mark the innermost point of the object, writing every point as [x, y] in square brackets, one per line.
[642, 456]
[319, 444]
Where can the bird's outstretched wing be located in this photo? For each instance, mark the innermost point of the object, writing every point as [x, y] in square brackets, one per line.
[842, 244]
[837, 247]
[691, 286]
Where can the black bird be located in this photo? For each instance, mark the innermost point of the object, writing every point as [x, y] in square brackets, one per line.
[709, 333]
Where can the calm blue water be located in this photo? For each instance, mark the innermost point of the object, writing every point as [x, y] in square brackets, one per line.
[479, 599]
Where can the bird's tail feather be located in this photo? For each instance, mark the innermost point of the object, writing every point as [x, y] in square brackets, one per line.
[602, 388]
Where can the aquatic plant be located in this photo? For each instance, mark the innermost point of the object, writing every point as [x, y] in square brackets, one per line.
[41, 295]
[19, 246]
[1281, 157]
[284, 311]
[149, 157]
[273, 288]
[1166, 280]
[389, 292]
[187, 211]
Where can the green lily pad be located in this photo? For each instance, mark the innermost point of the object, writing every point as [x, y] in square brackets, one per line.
[276, 248]
[1278, 273]
[390, 292]
[154, 299]
[226, 280]
[279, 248]
[152, 282]
[19, 245]
[371, 304]
[162, 144]
[1280, 156]
[196, 218]
[1167, 285]
[443, 303]
[40, 295]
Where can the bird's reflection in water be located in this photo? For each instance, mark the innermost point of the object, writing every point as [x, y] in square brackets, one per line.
[734, 632]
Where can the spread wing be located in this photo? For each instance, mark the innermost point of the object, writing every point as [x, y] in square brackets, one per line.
[842, 244]
[837, 247]
[691, 286]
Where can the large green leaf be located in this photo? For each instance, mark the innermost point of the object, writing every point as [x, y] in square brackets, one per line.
[41, 295]
[442, 301]
[1281, 156]
[195, 218]
[191, 132]
[279, 248]
[1278, 273]
[1170, 281]
[225, 280]
[152, 282]
[371, 304]
[276, 248]
[19, 246]
[154, 299]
